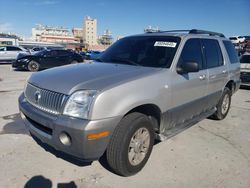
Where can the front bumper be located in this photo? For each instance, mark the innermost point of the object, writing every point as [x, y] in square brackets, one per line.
[18, 64]
[47, 128]
[245, 78]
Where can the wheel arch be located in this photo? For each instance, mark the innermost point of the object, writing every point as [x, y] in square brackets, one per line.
[150, 110]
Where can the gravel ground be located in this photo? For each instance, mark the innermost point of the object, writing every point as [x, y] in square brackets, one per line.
[209, 154]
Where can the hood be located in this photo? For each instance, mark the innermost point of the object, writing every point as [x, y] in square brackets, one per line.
[22, 55]
[93, 75]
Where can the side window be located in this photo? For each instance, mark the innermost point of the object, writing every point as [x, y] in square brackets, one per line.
[13, 48]
[231, 51]
[192, 52]
[63, 53]
[212, 52]
[2, 48]
[52, 53]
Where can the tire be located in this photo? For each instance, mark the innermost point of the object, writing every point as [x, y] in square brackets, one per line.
[127, 152]
[223, 106]
[33, 66]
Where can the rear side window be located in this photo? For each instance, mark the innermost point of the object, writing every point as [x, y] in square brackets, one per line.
[63, 52]
[192, 52]
[12, 48]
[232, 54]
[212, 53]
[245, 59]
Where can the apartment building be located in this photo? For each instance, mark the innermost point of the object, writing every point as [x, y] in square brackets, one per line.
[90, 31]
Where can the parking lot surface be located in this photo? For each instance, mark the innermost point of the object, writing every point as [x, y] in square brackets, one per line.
[209, 154]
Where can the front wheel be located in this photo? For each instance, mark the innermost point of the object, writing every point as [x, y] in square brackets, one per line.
[223, 106]
[33, 66]
[131, 144]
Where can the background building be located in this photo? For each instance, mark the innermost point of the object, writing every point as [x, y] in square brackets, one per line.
[90, 31]
[78, 33]
[9, 39]
[58, 35]
[106, 38]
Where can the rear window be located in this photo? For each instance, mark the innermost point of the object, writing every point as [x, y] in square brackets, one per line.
[231, 51]
[212, 53]
[245, 59]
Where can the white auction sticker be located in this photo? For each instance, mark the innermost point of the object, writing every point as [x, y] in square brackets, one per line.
[165, 44]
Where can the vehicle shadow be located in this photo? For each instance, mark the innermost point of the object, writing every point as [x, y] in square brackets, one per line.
[42, 182]
[16, 126]
[69, 158]
[245, 87]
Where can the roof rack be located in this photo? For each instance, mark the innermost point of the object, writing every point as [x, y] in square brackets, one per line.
[211, 33]
[195, 31]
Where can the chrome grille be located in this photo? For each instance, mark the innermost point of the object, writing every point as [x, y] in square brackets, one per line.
[43, 99]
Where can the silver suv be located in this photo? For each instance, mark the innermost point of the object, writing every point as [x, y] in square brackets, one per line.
[144, 87]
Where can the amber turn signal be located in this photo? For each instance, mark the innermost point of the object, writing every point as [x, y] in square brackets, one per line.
[94, 136]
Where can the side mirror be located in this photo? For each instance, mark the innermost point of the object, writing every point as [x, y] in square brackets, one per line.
[186, 67]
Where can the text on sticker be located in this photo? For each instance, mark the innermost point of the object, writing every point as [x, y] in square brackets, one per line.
[165, 44]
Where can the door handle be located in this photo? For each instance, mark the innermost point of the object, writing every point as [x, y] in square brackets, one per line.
[202, 77]
[224, 71]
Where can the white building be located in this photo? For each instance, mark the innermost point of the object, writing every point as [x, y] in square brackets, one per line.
[8, 39]
[60, 35]
[90, 31]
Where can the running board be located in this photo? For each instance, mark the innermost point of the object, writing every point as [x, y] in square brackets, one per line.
[187, 124]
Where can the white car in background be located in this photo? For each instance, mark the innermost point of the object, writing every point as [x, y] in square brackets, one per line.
[237, 39]
[10, 53]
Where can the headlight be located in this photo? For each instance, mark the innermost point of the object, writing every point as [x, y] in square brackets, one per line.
[78, 104]
[24, 60]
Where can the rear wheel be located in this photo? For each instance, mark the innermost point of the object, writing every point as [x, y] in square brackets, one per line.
[33, 66]
[131, 144]
[223, 106]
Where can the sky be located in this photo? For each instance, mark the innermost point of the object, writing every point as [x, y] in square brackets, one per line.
[127, 17]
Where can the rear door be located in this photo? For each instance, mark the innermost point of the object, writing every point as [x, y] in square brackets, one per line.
[189, 90]
[217, 70]
[64, 57]
[50, 59]
[12, 52]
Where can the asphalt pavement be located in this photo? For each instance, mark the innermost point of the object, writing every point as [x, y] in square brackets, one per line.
[209, 154]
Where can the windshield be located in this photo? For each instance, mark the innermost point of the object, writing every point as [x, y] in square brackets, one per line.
[149, 51]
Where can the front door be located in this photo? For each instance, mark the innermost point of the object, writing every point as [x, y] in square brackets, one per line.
[189, 89]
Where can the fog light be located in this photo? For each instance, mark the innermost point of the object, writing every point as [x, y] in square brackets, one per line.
[65, 139]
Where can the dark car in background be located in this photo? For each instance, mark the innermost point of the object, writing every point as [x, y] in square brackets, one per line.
[46, 59]
[92, 55]
[245, 69]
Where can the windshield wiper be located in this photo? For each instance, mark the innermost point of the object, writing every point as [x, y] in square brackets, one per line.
[127, 61]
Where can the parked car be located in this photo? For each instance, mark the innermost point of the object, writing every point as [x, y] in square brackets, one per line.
[237, 39]
[10, 53]
[245, 69]
[144, 87]
[46, 59]
[247, 42]
[92, 55]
